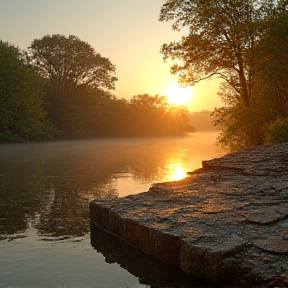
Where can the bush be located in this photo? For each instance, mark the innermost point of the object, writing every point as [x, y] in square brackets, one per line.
[277, 132]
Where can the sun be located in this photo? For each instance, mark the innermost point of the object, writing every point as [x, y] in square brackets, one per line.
[179, 95]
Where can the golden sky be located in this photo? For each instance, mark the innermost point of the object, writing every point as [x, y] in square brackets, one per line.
[125, 31]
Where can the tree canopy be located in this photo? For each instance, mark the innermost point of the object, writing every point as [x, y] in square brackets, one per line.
[220, 42]
[244, 127]
[245, 44]
[70, 63]
[59, 89]
[94, 113]
[22, 116]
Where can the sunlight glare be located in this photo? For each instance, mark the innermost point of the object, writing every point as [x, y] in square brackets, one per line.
[176, 172]
[179, 95]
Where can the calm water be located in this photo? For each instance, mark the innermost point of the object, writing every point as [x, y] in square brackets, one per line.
[45, 189]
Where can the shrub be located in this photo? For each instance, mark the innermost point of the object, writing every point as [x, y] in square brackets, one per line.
[277, 131]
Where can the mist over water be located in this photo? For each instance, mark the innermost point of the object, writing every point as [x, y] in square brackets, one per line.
[45, 190]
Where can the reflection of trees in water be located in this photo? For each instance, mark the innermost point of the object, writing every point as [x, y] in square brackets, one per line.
[21, 196]
[60, 210]
[68, 212]
[56, 201]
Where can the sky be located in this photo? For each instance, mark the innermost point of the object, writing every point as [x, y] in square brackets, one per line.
[125, 31]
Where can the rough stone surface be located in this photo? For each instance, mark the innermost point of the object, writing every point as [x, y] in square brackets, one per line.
[228, 220]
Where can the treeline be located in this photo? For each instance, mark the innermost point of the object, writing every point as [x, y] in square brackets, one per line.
[96, 113]
[60, 88]
[244, 43]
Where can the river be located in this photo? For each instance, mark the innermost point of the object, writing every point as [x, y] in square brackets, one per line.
[45, 190]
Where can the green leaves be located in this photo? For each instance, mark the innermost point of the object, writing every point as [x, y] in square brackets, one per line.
[245, 44]
[277, 132]
[22, 116]
[70, 63]
[220, 43]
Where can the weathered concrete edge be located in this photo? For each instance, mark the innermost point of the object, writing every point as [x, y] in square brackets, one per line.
[169, 248]
[163, 246]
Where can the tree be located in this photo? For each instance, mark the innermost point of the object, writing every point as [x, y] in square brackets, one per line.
[153, 116]
[271, 64]
[22, 116]
[70, 63]
[244, 127]
[234, 40]
[72, 69]
[220, 42]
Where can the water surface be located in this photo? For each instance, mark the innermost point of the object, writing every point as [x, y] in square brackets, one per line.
[45, 190]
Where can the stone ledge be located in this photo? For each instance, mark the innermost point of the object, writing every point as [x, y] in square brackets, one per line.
[228, 220]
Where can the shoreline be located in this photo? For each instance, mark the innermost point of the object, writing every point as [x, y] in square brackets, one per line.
[225, 222]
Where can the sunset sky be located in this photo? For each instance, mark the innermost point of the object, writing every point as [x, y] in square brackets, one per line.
[125, 31]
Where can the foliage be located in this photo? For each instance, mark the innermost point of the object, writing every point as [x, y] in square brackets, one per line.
[65, 80]
[153, 116]
[271, 65]
[72, 69]
[22, 116]
[241, 127]
[270, 89]
[277, 132]
[234, 40]
[102, 115]
[220, 41]
[70, 63]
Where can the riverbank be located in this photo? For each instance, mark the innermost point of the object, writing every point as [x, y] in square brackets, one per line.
[226, 221]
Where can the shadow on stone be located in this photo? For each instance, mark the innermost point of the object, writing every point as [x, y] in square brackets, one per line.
[147, 269]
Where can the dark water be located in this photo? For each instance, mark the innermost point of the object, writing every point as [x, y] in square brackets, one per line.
[45, 189]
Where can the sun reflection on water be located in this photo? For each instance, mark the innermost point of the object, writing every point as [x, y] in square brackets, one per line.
[176, 172]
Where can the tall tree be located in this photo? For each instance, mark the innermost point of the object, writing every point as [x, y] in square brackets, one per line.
[22, 116]
[220, 41]
[244, 127]
[236, 41]
[271, 63]
[70, 63]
